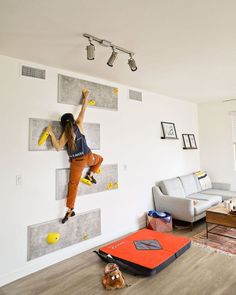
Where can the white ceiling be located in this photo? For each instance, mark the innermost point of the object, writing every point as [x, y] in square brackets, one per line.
[184, 48]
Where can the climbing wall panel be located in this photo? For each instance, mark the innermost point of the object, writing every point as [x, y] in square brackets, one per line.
[38, 126]
[78, 228]
[101, 96]
[107, 179]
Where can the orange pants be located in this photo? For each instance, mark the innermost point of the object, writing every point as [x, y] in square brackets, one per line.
[76, 168]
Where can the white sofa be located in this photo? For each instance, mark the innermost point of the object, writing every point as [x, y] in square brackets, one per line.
[187, 198]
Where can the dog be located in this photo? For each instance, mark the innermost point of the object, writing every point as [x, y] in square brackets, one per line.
[113, 278]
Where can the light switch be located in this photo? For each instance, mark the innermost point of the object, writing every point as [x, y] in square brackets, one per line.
[19, 179]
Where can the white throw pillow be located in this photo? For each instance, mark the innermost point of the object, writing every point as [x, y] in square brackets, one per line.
[204, 180]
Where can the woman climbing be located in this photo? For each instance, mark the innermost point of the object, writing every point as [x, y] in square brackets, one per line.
[79, 153]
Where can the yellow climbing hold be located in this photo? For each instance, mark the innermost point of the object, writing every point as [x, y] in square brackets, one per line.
[92, 102]
[53, 237]
[110, 185]
[115, 185]
[85, 181]
[115, 90]
[98, 171]
[85, 236]
[43, 137]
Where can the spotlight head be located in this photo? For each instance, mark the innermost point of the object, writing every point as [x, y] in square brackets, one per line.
[90, 51]
[132, 64]
[112, 58]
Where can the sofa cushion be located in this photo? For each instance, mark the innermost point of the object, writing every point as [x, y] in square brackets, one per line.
[172, 187]
[201, 206]
[223, 193]
[189, 184]
[199, 188]
[212, 199]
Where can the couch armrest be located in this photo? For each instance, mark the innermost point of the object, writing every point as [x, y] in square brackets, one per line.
[179, 208]
[221, 185]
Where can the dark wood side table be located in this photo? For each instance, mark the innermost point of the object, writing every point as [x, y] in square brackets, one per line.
[219, 215]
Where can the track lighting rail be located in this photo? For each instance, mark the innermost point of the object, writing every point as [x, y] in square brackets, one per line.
[91, 51]
[107, 44]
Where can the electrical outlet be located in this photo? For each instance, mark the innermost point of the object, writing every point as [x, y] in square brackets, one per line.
[19, 179]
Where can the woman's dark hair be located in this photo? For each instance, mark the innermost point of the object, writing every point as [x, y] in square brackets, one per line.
[67, 117]
[67, 121]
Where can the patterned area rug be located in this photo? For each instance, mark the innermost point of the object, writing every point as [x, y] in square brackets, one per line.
[219, 243]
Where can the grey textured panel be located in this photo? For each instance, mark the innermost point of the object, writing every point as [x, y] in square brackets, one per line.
[80, 227]
[106, 180]
[33, 72]
[38, 126]
[70, 89]
[135, 95]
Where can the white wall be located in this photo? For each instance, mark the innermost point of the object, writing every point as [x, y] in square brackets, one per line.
[129, 137]
[215, 129]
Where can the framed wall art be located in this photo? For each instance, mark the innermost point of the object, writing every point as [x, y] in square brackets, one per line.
[169, 131]
[189, 142]
[186, 141]
[192, 141]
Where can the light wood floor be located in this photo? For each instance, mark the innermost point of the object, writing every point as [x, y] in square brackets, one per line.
[197, 272]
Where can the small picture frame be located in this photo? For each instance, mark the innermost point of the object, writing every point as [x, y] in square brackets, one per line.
[186, 141]
[169, 130]
[192, 141]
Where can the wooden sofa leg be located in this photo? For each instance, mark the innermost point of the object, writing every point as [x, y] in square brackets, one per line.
[191, 226]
